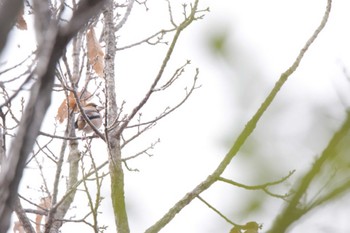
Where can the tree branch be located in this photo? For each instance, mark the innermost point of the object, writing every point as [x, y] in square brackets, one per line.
[218, 212]
[112, 136]
[292, 212]
[151, 90]
[248, 129]
[9, 10]
[263, 187]
[39, 101]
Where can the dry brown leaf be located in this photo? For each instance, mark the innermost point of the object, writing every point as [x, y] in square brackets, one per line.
[95, 53]
[21, 23]
[17, 227]
[62, 112]
[45, 203]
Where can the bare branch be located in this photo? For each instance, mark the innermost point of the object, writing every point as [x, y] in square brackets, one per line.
[158, 35]
[249, 128]
[336, 192]
[39, 101]
[67, 137]
[264, 187]
[112, 137]
[171, 14]
[8, 11]
[169, 110]
[144, 151]
[292, 212]
[175, 76]
[126, 16]
[21, 214]
[18, 90]
[218, 212]
[14, 67]
[94, 205]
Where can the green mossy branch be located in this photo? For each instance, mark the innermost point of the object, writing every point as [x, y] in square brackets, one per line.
[246, 132]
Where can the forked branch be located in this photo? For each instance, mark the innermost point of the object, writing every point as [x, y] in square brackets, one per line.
[248, 129]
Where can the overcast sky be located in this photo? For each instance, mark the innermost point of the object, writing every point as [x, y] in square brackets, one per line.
[262, 40]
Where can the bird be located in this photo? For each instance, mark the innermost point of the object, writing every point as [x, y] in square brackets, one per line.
[92, 111]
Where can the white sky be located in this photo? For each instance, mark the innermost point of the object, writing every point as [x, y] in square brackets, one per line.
[264, 37]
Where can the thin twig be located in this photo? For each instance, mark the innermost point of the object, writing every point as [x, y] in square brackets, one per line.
[218, 212]
[263, 187]
[248, 129]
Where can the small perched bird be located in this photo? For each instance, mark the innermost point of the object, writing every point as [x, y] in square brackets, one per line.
[92, 111]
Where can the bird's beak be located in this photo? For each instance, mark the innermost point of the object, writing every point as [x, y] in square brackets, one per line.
[99, 108]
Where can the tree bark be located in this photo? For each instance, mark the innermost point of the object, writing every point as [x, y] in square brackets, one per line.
[113, 139]
[39, 101]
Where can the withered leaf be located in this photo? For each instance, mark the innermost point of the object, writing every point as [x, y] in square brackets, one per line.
[95, 52]
[62, 112]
